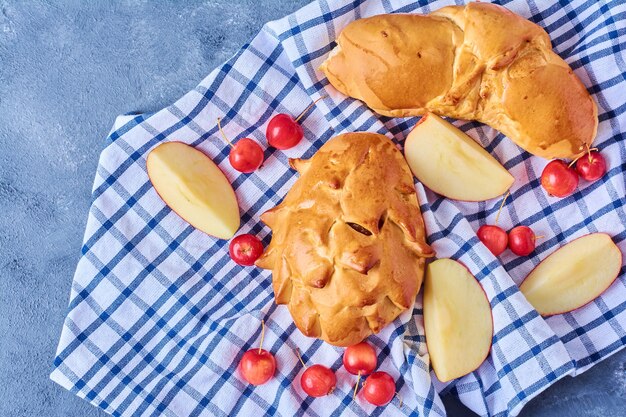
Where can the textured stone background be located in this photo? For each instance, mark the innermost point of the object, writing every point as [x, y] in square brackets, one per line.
[66, 71]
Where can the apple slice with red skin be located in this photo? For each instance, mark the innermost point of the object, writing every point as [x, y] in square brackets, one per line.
[457, 319]
[195, 188]
[452, 164]
[574, 275]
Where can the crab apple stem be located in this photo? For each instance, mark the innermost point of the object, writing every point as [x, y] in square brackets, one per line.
[538, 237]
[262, 335]
[587, 152]
[300, 357]
[356, 386]
[309, 108]
[501, 205]
[219, 126]
[400, 398]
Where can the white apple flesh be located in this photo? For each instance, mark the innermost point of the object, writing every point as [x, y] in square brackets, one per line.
[452, 164]
[457, 320]
[195, 188]
[574, 275]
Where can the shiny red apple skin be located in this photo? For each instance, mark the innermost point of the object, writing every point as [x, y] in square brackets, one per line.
[245, 249]
[360, 359]
[559, 179]
[379, 388]
[283, 132]
[318, 381]
[257, 366]
[591, 167]
[522, 240]
[493, 237]
[246, 156]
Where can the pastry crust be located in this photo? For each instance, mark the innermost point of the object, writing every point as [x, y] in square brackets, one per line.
[348, 246]
[475, 62]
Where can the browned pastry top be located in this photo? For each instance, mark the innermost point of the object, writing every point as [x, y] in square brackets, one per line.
[348, 246]
[477, 62]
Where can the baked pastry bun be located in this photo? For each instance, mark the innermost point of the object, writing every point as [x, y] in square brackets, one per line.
[348, 247]
[476, 62]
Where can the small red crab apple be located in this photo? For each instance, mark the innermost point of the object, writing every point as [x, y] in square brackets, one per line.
[522, 240]
[559, 179]
[360, 360]
[317, 380]
[379, 388]
[284, 132]
[257, 366]
[591, 166]
[245, 155]
[493, 236]
[245, 249]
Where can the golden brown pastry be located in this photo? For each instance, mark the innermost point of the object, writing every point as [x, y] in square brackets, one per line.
[476, 62]
[348, 246]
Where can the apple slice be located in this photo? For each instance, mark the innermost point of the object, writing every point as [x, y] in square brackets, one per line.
[457, 320]
[195, 188]
[574, 275]
[452, 164]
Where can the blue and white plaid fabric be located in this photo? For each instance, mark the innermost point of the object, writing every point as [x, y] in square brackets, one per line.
[159, 315]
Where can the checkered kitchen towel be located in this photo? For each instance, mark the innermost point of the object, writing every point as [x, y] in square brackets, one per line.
[159, 315]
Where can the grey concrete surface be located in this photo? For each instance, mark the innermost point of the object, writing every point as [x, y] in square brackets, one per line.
[66, 70]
